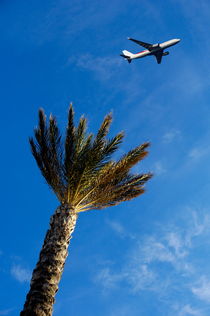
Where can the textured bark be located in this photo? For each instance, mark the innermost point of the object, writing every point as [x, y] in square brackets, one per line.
[48, 271]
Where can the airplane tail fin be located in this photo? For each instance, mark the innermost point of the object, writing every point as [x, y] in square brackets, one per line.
[127, 55]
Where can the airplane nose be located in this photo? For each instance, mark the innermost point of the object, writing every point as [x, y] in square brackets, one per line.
[178, 40]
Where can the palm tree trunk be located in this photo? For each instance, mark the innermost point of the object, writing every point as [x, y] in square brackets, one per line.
[48, 271]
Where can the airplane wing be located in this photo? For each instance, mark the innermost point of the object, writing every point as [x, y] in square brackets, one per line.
[159, 56]
[146, 45]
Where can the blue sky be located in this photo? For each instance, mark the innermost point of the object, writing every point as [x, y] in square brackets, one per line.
[149, 256]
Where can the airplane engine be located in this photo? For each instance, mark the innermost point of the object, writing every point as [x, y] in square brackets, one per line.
[165, 53]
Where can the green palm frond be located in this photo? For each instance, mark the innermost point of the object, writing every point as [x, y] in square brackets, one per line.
[96, 164]
[103, 130]
[48, 154]
[80, 170]
[98, 154]
[69, 144]
[112, 145]
[80, 134]
[92, 157]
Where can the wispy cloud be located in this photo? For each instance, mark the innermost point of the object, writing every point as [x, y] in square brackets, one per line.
[188, 310]
[199, 225]
[117, 227]
[114, 73]
[198, 152]
[140, 277]
[162, 263]
[20, 273]
[176, 243]
[108, 279]
[170, 136]
[159, 168]
[155, 250]
[137, 277]
[169, 247]
[202, 289]
[103, 67]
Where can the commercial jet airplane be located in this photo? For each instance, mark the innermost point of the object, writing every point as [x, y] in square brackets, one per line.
[151, 49]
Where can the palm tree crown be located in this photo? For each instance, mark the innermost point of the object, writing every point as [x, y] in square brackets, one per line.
[79, 168]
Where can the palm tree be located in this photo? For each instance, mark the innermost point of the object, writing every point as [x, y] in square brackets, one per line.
[83, 177]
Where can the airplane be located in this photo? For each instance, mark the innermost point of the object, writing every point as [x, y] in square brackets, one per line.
[151, 49]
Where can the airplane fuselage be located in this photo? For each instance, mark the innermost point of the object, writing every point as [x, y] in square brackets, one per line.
[155, 48]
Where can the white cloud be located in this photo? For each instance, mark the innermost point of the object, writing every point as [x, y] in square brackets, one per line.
[117, 227]
[175, 242]
[154, 250]
[108, 279]
[162, 263]
[169, 247]
[20, 274]
[199, 225]
[137, 277]
[103, 67]
[200, 151]
[188, 310]
[170, 136]
[112, 71]
[197, 153]
[202, 290]
[158, 168]
[141, 277]
[138, 272]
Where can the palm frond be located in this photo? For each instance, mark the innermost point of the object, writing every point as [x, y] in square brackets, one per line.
[80, 135]
[120, 170]
[90, 166]
[41, 136]
[107, 194]
[91, 157]
[112, 145]
[56, 155]
[97, 153]
[104, 129]
[117, 177]
[80, 170]
[69, 144]
[48, 154]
